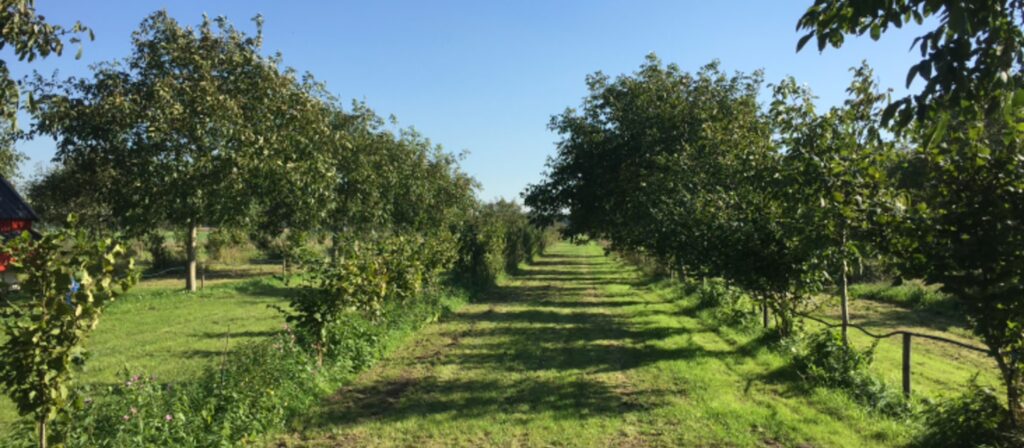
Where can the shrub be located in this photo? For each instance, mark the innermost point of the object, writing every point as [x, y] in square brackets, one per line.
[974, 418]
[728, 305]
[494, 241]
[163, 256]
[226, 245]
[364, 276]
[825, 361]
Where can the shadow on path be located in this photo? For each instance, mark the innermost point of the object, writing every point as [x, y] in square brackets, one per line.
[552, 340]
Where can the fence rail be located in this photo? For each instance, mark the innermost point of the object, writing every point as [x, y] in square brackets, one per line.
[202, 269]
[907, 335]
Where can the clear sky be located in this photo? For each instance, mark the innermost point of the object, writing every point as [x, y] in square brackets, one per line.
[486, 76]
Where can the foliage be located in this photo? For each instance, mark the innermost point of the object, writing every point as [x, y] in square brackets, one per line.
[974, 50]
[836, 191]
[67, 279]
[213, 143]
[58, 191]
[728, 305]
[826, 361]
[965, 232]
[683, 168]
[366, 276]
[494, 241]
[29, 37]
[162, 256]
[223, 244]
[973, 418]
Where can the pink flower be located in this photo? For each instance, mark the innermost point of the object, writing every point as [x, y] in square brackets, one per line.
[168, 418]
[135, 379]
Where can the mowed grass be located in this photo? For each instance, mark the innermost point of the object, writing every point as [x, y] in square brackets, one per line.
[157, 329]
[581, 350]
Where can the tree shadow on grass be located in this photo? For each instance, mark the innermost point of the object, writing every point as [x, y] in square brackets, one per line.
[559, 338]
[398, 399]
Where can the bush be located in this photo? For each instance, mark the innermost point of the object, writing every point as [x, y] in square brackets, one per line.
[369, 276]
[824, 361]
[162, 255]
[495, 241]
[974, 418]
[728, 305]
[227, 245]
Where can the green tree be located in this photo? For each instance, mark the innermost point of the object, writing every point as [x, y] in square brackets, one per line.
[974, 51]
[835, 167]
[966, 234]
[30, 37]
[68, 277]
[194, 127]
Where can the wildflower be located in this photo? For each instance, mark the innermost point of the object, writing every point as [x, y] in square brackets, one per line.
[168, 418]
[88, 401]
[133, 410]
[126, 417]
[135, 378]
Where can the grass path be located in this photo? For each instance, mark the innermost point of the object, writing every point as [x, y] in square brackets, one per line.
[580, 350]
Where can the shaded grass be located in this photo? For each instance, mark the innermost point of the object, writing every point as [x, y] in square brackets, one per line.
[580, 350]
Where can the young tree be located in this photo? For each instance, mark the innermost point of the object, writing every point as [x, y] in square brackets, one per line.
[68, 278]
[967, 233]
[835, 172]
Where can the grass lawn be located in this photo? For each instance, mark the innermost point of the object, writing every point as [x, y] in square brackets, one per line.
[157, 329]
[580, 350]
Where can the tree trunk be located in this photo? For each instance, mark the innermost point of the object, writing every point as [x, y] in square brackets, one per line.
[765, 318]
[844, 294]
[191, 255]
[42, 433]
[1014, 384]
[335, 246]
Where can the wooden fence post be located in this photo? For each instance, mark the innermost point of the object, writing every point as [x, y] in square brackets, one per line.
[764, 317]
[202, 279]
[906, 364]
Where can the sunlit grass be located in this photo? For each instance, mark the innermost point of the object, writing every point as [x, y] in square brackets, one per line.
[581, 350]
[160, 330]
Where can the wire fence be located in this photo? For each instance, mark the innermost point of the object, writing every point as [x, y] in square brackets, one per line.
[907, 339]
[201, 268]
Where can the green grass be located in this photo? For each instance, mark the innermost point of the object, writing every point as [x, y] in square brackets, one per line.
[581, 350]
[158, 330]
[577, 350]
[911, 294]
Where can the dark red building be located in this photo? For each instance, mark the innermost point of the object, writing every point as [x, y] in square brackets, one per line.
[15, 216]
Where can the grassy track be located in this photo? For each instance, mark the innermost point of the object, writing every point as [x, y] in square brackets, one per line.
[579, 350]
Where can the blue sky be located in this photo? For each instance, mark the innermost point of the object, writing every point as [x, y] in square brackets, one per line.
[486, 76]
